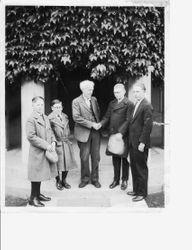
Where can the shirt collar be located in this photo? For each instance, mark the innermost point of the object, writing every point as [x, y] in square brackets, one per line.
[86, 99]
[138, 102]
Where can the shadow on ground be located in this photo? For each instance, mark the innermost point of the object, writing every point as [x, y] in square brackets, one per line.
[12, 201]
[156, 200]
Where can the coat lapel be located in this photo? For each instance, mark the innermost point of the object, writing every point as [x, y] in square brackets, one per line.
[84, 104]
[65, 121]
[57, 121]
[138, 109]
[39, 119]
[95, 110]
[119, 105]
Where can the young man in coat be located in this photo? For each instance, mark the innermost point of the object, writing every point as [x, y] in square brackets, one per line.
[64, 148]
[41, 138]
[139, 137]
[86, 115]
[116, 114]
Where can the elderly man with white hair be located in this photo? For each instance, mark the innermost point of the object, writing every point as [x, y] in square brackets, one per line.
[86, 115]
[117, 117]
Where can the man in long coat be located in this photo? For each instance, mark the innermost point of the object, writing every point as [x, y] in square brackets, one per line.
[41, 138]
[118, 110]
[86, 115]
[64, 148]
[140, 128]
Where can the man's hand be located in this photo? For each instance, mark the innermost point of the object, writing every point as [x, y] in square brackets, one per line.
[119, 136]
[96, 126]
[141, 147]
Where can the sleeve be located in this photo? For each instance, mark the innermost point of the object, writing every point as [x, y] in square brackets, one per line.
[148, 124]
[53, 138]
[106, 117]
[124, 127]
[32, 137]
[78, 117]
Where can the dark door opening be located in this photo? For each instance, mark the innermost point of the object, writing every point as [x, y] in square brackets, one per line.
[13, 116]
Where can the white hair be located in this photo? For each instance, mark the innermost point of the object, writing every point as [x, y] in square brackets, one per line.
[85, 84]
[119, 86]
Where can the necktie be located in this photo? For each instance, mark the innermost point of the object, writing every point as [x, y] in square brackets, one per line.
[91, 107]
[135, 109]
[60, 117]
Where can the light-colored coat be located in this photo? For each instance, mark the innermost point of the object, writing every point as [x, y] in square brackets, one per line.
[64, 147]
[40, 136]
[82, 115]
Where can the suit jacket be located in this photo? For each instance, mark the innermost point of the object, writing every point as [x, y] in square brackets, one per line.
[39, 135]
[82, 116]
[64, 148]
[118, 117]
[141, 125]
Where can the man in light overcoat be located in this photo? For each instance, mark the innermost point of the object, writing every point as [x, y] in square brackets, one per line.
[41, 138]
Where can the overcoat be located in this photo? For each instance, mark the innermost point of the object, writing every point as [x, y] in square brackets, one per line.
[64, 147]
[82, 117]
[118, 116]
[40, 136]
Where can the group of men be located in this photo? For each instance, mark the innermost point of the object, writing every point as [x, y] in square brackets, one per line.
[129, 121]
[131, 124]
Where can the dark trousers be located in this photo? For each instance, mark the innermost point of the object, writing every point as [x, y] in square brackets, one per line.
[117, 168]
[139, 171]
[90, 148]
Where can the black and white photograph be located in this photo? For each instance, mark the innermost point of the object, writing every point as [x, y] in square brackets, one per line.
[85, 84]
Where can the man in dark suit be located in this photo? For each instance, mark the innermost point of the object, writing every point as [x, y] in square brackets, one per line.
[86, 115]
[116, 114]
[139, 138]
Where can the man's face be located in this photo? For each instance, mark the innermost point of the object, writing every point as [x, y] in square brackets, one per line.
[88, 91]
[38, 106]
[138, 93]
[57, 108]
[119, 93]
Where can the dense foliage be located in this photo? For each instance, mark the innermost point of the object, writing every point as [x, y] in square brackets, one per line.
[102, 39]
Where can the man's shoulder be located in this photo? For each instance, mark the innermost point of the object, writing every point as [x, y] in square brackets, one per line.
[77, 99]
[51, 116]
[147, 105]
[127, 101]
[32, 117]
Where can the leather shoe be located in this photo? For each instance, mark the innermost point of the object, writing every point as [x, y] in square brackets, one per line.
[59, 185]
[42, 197]
[114, 184]
[35, 202]
[83, 184]
[123, 185]
[132, 193]
[66, 185]
[138, 198]
[96, 184]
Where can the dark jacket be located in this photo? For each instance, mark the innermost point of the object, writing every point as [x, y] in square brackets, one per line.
[140, 126]
[118, 117]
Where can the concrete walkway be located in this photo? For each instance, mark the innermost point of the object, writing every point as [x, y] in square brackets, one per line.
[16, 183]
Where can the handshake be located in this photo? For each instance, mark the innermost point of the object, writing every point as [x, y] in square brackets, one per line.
[96, 126]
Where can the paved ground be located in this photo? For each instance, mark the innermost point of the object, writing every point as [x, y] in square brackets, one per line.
[17, 184]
